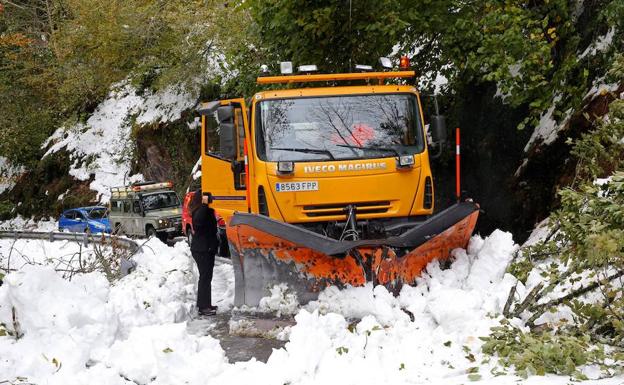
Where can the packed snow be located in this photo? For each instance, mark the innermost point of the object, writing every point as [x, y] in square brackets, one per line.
[8, 174]
[102, 148]
[134, 330]
[548, 129]
[29, 224]
[600, 45]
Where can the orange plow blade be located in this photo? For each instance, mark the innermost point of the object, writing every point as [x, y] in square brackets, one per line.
[266, 252]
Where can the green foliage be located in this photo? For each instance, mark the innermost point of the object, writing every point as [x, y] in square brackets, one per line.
[331, 34]
[587, 240]
[6, 209]
[58, 59]
[541, 353]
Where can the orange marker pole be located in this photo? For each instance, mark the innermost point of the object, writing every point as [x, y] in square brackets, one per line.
[457, 166]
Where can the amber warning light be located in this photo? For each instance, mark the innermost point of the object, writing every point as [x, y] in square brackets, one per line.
[404, 63]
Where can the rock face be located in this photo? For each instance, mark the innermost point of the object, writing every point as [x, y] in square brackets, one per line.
[516, 188]
[156, 165]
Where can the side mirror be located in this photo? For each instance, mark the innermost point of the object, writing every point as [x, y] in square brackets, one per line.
[227, 140]
[227, 132]
[225, 114]
[438, 128]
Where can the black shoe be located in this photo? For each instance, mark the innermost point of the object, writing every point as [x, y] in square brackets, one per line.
[207, 311]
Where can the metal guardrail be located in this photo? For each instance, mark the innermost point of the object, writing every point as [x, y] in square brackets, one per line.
[125, 265]
[86, 239]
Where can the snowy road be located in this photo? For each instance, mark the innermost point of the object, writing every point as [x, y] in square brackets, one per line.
[139, 330]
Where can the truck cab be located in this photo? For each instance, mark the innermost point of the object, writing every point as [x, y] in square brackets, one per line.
[314, 156]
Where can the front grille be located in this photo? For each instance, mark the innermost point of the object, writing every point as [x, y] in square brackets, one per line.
[377, 207]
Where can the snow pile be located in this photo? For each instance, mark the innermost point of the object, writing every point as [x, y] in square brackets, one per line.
[281, 301]
[21, 223]
[62, 255]
[8, 174]
[102, 148]
[88, 331]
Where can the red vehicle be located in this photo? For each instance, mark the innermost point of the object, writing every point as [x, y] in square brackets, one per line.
[187, 226]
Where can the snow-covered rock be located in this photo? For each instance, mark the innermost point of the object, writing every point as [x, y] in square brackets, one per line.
[103, 147]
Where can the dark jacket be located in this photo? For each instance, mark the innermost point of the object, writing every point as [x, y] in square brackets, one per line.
[204, 230]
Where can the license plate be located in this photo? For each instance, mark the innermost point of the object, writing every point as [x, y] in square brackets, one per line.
[296, 186]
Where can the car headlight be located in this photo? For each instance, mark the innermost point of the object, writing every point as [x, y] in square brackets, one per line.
[99, 225]
[163, 222]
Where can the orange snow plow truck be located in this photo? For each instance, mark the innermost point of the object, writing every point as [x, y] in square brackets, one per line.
[326, 181]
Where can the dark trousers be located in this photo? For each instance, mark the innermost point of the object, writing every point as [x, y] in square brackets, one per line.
[205, 264]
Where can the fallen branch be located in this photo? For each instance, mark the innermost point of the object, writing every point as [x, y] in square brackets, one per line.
[580, 291]
[531, 298]
[538, 310]
[510, 298]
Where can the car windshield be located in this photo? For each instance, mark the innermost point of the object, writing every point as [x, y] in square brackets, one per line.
[160, 200]
[339, 127]
[98, 213]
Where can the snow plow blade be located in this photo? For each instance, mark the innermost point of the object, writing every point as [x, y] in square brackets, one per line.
[266, 252]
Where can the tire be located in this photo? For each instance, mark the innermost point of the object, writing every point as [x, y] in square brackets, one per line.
[189, 235]
[151, 232]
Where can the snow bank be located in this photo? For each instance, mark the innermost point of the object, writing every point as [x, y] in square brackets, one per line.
[102, 148]
[8, 174]
[21, 223]
[89, 331]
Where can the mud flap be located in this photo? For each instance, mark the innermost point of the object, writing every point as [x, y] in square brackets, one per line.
[266, 252]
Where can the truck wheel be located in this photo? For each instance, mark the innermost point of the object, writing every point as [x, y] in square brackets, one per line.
[151, 232]
[189, 235]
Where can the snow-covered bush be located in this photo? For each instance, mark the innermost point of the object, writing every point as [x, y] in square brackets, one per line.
[575, 275]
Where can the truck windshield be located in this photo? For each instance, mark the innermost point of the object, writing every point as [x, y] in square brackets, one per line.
[160, 200]
[339, 127]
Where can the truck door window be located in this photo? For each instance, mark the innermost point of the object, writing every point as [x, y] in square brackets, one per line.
[239, 166]
[212, 137]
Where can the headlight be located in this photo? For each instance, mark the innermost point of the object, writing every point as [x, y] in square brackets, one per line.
[285, 167]
[98, 225]
[406, 161]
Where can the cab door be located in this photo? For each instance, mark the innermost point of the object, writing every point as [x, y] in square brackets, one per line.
[224, 172]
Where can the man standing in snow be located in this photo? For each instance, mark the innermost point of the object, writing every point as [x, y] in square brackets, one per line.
[203, 248]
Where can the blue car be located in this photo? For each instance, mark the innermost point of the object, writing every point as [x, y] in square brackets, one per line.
[85, 219]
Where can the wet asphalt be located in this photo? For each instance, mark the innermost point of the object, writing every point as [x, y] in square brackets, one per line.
[237, 348]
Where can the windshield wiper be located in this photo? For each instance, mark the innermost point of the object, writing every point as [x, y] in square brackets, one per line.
[307, 151]
[371, 148]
